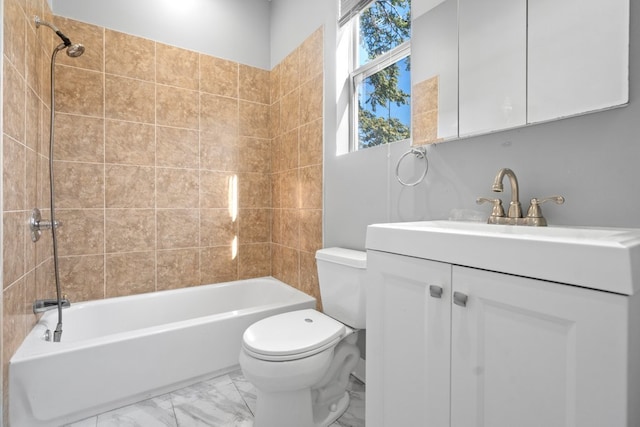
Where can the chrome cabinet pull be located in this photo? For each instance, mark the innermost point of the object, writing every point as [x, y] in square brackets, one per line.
[460, 299]
[435, 291]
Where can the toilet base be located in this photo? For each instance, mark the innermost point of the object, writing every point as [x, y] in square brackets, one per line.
[297, 411]
[328, 416]
[284, 409]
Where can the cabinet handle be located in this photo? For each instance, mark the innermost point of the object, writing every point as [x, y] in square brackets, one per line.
[435, 291]
[460, 299]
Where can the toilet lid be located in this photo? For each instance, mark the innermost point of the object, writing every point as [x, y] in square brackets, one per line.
[294, 333]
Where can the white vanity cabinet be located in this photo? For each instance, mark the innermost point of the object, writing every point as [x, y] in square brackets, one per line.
[519, 352]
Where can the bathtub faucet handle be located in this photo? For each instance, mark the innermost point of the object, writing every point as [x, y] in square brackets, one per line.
[37, 224]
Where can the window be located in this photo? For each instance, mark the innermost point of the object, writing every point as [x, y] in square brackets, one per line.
[380, 108]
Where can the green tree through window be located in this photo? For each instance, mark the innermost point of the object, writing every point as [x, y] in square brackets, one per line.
[384, 94]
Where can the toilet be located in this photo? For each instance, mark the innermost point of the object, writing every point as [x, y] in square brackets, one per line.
[300, 361]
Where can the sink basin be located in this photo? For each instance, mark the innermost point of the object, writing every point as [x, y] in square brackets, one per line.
[606, 259]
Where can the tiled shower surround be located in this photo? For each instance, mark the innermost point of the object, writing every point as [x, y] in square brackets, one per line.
[173, 168]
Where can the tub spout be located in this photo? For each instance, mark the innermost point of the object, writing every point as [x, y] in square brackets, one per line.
[42, 305]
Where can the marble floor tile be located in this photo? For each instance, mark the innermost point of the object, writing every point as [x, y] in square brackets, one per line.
[89, 422]
[156, 412]
[354, 415]
[245, 388]
[215, 402]
[225, 401]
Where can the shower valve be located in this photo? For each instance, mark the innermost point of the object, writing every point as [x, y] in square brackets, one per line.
[37, 224]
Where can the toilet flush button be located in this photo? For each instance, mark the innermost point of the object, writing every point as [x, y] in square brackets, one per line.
[308, 320]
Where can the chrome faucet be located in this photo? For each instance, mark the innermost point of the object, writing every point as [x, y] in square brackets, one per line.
[514, 216]
[515, 209]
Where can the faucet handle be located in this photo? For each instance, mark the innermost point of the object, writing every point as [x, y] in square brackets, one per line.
[497, 210]
[534, 214]
[534, 210]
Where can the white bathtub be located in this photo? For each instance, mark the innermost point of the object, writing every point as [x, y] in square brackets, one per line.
[121, 350]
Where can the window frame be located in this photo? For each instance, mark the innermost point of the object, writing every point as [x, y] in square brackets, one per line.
[359, 73]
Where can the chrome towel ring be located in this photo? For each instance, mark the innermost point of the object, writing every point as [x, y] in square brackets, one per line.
[420, 153]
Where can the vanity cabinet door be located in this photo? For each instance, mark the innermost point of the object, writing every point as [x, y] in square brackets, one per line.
[531, 353]
[408, 341]
[578, 57]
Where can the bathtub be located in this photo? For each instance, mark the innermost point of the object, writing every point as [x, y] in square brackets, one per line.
[121, 350]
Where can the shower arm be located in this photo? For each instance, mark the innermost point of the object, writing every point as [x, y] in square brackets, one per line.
[55, 29]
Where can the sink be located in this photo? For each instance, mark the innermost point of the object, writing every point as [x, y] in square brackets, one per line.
[606, 259]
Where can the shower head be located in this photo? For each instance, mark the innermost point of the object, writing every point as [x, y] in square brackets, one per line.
[73, 50]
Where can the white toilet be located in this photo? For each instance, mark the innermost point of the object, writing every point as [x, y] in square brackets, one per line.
[299, 362]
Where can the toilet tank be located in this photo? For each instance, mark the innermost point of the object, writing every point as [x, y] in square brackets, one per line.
[341, 274]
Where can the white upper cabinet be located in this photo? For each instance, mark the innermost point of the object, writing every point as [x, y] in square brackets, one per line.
[480, 66]
[493, 65]
[578, 57]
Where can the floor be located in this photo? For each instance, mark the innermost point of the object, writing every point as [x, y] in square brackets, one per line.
[225, 401]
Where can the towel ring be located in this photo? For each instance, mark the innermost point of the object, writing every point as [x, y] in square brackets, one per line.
[420, 153]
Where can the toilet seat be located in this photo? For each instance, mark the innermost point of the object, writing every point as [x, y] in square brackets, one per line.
[293, 335]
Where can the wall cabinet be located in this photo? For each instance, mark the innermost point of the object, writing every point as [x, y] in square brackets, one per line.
[480, 66]
[449, 345]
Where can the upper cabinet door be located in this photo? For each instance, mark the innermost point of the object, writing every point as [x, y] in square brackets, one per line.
[493, 65]
[578, 57]
[434, 72]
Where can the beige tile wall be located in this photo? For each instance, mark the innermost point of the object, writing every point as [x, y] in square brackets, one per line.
[150, 141]
[172, 168]
[27, 268]
[297, 130]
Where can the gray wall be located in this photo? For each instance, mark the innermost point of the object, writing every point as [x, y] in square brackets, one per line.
[237, 30]
[292, 21]
[592, 160]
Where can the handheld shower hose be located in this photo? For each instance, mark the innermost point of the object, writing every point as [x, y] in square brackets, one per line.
[73, 50]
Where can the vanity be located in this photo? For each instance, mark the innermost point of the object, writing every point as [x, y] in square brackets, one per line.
[472, 324]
